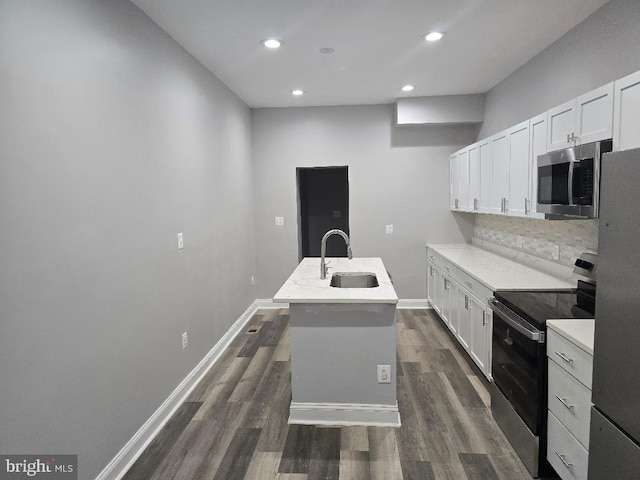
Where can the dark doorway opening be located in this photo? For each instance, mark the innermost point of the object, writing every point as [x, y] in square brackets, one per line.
[323, 204]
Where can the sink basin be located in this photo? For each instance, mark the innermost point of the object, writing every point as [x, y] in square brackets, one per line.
[354, 280]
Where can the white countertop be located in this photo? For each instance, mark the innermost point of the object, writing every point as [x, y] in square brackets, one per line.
[578, 331]
[496, 272]
[304, 285]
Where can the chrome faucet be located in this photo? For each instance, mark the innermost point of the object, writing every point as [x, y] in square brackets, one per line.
[323, 249]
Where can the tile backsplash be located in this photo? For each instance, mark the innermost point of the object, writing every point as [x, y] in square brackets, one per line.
[540, 237]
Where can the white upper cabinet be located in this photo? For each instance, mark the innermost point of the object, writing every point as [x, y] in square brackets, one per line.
[519, 168]
[586, 119]
[537, 146]
[499, 172]
[474, 178]
[561, 125]
[484, 158]
[463, 172]
[594, 115]
[626, 120]
[454, 177]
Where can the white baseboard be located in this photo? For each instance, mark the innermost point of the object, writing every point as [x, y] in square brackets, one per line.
[126, 457]
[413, 303]
[344, 414]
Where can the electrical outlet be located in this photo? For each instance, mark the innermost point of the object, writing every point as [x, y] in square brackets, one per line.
[180, 241]
[555, 252]
[384, 373]
[519, 241]
[185, 341]
[389, 229]
[279, 221]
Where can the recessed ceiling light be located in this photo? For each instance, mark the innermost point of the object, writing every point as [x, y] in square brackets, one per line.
[433, 36]
[272, 43]
[297, 92]
[407, 88]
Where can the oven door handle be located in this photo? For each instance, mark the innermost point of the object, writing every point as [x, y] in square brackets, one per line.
[572, 166]
[516, 322]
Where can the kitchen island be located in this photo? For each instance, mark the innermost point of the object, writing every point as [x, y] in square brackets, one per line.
[339, 339]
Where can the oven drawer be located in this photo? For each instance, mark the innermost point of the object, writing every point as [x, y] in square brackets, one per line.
[570, 402]
[565, 454]
[570, 357]
[476, 288]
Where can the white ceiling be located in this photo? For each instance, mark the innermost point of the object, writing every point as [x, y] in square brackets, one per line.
[378, 44]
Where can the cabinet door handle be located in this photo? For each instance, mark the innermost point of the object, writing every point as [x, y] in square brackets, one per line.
[475, 203]
[502, 205]
[564, 402]
[526, 206]
[455, 203]
[466, 302]
[446, 284]
[484, 318]
[446, 268]
[468, 284]
[431, 272]
[563, 459]
[506, 205]
[564, 357]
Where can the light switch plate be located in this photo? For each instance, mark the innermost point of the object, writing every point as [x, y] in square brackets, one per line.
[279, 221]
[180, 241]
[384, 373]
[389, 229]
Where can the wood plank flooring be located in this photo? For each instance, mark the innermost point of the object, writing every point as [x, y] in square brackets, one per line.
[234, 424]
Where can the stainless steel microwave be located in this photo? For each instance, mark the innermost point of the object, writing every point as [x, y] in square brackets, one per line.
[569, 180]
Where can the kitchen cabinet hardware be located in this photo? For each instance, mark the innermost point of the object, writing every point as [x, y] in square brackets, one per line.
[526, 206]
[564, 402]
[564, 460]
[564, 357]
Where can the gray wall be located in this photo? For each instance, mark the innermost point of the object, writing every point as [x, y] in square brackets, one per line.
[397, 175]
[603, 48]
[112, 140]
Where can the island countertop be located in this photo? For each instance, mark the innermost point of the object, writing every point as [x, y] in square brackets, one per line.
[304, 285]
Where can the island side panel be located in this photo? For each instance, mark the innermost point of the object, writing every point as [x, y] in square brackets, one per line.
[335, 350]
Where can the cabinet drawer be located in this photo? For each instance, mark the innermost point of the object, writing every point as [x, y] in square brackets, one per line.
[570, 357]
[570, 402]
[473, 286]
[565, 454]
[444, 265]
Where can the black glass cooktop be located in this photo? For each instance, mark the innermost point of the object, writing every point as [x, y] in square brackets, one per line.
[539, 306]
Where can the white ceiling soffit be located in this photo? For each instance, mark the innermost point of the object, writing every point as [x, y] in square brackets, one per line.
[377, 44]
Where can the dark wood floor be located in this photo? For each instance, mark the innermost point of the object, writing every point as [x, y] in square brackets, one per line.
[234, 424]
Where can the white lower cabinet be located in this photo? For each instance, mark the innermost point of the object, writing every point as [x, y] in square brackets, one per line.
[568, 458]
[569, 403]
[461, 303]
[480, 348]
[464, 319]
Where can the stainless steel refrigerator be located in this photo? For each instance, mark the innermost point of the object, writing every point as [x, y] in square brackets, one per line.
[614, 444]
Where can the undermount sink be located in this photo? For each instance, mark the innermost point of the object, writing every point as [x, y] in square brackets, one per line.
[354, 280]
